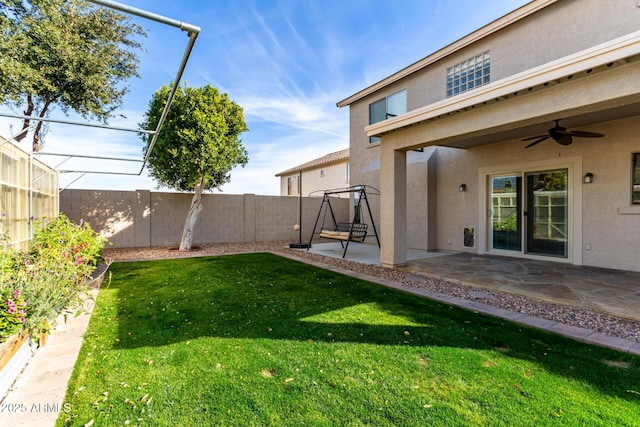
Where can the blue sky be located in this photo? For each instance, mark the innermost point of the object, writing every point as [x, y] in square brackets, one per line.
[285, 62]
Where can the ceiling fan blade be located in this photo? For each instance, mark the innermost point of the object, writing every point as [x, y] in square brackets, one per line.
[537, 141]
[584, 134]
[535, 137]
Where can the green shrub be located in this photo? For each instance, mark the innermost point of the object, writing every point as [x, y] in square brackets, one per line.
[51, 276]
[509, 224]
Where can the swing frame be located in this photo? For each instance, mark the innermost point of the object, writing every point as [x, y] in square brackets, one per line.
[344, 232]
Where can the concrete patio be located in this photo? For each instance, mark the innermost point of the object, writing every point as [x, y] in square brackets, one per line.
[614, 292]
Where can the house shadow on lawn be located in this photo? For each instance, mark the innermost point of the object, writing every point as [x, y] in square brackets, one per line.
[263, 296]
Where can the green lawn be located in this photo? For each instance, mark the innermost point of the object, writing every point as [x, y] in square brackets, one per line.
[261, 340]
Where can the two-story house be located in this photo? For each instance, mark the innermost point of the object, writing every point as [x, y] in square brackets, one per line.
[328, 172]
[520, 139]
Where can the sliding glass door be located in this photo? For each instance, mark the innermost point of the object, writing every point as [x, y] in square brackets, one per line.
[547, 213]
[530, 213]
[506, 208]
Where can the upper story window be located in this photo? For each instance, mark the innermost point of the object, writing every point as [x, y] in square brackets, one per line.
[469, 74]
[390, 106]
[293, 186]
[289, 186]
[635, 179]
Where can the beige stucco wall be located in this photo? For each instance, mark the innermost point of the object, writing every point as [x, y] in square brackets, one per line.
[142, 218]
[335, 176]
[604, 223]
[604, 209]
[601, 213]
[558, 30]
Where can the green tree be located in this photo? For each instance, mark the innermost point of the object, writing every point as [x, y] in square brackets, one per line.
[65, 53]
[198, 145]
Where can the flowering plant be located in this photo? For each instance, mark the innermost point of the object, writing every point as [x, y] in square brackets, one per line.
[51, 276]
[13, 312]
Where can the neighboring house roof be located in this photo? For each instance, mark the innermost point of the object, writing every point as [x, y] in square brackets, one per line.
[328, 159]
[481, 33]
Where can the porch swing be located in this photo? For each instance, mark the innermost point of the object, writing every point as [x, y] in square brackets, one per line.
[345, 232]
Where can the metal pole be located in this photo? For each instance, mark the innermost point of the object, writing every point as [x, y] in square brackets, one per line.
[193, 32]
[174, 88]
[81, 156]
[70, 122]
[148, 15]
[300, 245]
[31, 215]
[16, 134]
[300, 207]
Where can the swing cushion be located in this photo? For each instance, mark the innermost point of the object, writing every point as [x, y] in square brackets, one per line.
[358, 232]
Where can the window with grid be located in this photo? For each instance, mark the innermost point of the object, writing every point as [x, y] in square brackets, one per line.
[469, 74]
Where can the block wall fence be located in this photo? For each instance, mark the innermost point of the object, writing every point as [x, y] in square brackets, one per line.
[143, 218]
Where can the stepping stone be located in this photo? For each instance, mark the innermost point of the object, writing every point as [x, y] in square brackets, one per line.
[480, 295]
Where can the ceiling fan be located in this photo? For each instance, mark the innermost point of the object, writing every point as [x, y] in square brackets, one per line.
[561, 135]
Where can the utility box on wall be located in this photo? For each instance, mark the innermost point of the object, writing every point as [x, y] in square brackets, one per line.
[469, 237]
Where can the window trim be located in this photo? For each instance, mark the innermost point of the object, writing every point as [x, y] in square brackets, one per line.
[289, 186]
[635, 182]
[388, 114]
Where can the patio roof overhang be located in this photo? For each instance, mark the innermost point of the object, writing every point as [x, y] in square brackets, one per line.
[591, 86]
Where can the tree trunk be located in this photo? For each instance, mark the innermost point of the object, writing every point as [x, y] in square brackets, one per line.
[194, 210]
[25, 124]
[36, 146]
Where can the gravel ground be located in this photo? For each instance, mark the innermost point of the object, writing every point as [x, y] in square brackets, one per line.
[600, 322]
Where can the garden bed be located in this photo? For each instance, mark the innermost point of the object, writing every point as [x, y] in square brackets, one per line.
[15, 353]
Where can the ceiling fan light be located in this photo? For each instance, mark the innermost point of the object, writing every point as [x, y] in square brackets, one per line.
[565, 140]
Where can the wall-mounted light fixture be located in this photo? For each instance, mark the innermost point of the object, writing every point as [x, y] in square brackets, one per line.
[588, 178]
[463, 187]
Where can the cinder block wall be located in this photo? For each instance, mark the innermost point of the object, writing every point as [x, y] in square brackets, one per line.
[143, 218]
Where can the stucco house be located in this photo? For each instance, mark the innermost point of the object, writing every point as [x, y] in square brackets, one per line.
[330, 171]
[445, 140]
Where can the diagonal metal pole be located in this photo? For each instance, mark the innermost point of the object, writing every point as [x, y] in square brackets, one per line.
[193, 32]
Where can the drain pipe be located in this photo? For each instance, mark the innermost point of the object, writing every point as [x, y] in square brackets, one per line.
[193, 32]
